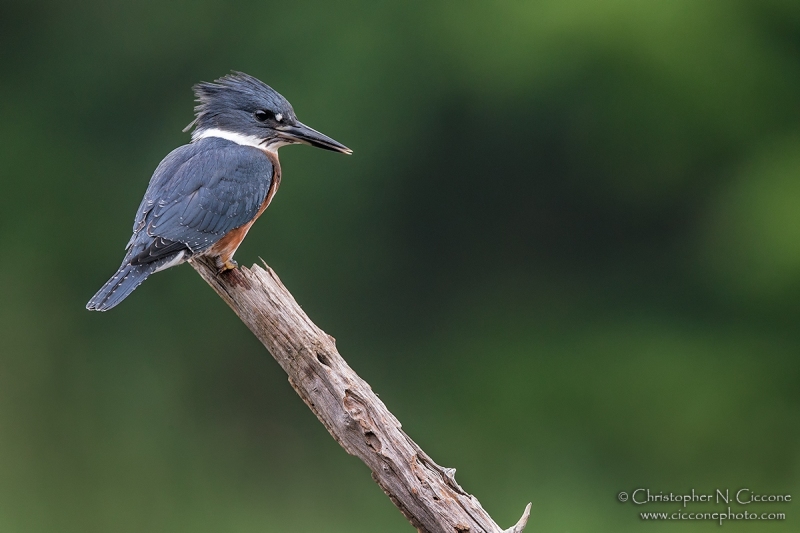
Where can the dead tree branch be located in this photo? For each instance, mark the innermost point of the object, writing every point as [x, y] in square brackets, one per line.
[426, 493]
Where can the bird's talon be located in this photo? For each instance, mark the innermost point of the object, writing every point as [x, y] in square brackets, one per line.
[230, 264]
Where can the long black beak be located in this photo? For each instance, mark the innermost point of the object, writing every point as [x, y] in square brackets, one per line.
[300, 133]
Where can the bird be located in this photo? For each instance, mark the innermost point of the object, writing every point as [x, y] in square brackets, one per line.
[204, 196]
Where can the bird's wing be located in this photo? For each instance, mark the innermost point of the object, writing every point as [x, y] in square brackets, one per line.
[199, 193]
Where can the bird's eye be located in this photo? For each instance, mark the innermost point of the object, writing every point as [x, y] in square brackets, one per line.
[263, 116]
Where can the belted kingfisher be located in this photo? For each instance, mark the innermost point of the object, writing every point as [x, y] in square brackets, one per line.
[204, 196]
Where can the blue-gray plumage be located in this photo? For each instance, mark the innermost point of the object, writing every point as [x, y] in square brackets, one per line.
[204, 196]
[200, 192]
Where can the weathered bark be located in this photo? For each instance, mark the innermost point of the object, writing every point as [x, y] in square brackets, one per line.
[426, 493]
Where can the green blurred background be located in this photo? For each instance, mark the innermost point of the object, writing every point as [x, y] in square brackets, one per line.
[566, 253]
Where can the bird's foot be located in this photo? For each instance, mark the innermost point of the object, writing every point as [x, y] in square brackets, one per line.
[224, 266]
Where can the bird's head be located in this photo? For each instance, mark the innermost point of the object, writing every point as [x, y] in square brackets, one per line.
[242, 108]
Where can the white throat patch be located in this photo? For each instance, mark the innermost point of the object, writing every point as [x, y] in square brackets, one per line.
[238, 138]
[274, 144]
[245, 140]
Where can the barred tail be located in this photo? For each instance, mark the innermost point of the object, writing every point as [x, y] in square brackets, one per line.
[121, 284]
